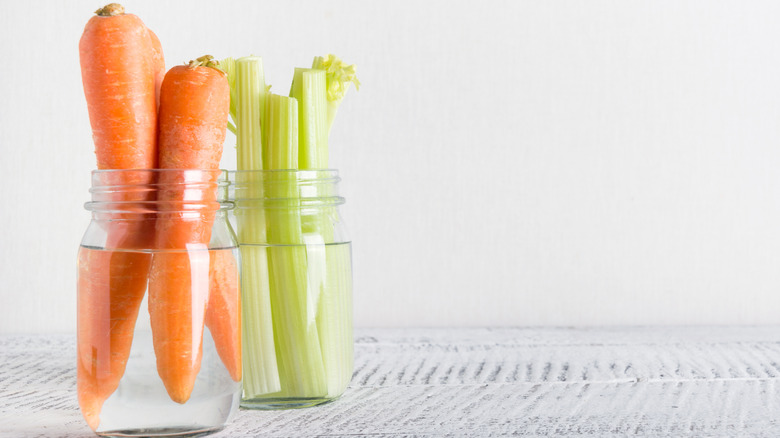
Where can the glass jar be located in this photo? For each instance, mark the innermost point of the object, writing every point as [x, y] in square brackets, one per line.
[159, 347]
[296, 287]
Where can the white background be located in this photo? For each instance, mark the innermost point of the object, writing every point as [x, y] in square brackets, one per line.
[504, 163]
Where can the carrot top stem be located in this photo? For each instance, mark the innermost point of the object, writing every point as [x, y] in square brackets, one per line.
[204, 61]
[110, 10]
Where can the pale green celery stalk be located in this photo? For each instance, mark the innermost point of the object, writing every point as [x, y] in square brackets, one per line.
[335, 321]
[320, 91]
[338, 77]
[308, 88]
[298, 352]
[250, 86]
[261, 373]
[228, 65]
[281, 120]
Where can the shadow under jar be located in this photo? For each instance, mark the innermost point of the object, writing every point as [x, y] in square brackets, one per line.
[296, 287]
[159, 349]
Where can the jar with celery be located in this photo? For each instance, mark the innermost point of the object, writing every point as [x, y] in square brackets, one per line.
[296, 256]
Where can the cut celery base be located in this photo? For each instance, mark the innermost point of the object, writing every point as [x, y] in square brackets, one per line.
[261, 374]
[298, 354]
[334, 320]
[274, 404]
[321, 371]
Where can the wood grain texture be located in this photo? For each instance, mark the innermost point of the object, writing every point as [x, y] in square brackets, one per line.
[654, 382]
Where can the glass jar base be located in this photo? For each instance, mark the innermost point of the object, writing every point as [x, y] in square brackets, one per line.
[179, 432]
[274, 404]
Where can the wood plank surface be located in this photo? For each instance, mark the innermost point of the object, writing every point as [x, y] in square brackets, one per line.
[602, 382]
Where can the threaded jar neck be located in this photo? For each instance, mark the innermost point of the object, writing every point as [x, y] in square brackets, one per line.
[156, 191]
[283, 188]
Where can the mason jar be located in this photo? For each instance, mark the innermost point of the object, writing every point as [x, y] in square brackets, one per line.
[296, 287]
[159, 349]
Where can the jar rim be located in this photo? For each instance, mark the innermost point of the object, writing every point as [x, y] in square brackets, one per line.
[271, 188]
[107, 171]
[328, 169]
[139, 208]
[135, 191]
[131, 177]
[301, 174]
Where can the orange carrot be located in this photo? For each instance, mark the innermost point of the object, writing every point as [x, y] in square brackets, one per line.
[158, 64]
[107, 316]
[223, 314]
[194, 105]
[118, 78]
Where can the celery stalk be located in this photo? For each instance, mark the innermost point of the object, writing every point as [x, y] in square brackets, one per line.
[293, 304]
[261, 373]
[338, 76]
[250, 86]
[308, 87]
[228, 65]
[335, 319]
[281, 119]
[320, 91]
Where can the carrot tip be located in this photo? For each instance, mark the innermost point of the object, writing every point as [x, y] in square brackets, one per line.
[203, 61]
[90, 405]
[110, 10]
[93, 421]
[179, 391]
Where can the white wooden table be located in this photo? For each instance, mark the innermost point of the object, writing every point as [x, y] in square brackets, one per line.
[599, 382]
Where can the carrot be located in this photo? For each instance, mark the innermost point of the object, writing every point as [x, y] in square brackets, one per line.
[223, 313]
[107, 316]
[194, 105]
[158, 64]
[118, 78]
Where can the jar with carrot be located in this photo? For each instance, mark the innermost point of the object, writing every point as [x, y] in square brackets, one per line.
[158, 319]
[159, 310]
